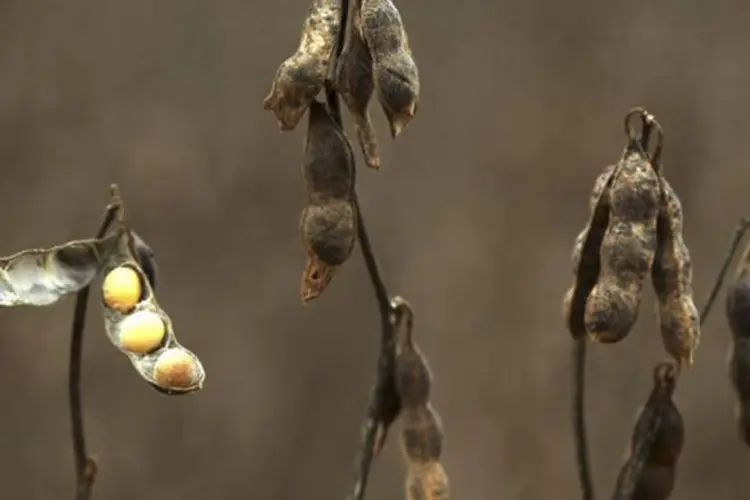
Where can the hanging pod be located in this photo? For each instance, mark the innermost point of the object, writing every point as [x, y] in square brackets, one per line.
[354, 82]
[302, 76]
[328, 223]
[139, 328]
[628, 246]
[41, 277]
[395, 73]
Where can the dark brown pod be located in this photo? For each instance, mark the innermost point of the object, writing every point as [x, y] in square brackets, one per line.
[738, 316]
[627, 249]
[586, 260]
[329, 222]
[354, 82]
[394, 70]
[413, 376]
[656, 444]
[302, 76]
[672, 278]
[146, 259]
[422, 434]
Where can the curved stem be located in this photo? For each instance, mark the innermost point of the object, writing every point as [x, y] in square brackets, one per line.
[579, 419]
[384, 404]
[734, 245]
[86, 467]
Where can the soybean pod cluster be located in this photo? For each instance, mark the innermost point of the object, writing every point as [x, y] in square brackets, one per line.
[634, 231]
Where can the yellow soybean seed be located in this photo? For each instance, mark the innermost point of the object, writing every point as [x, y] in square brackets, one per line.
[122, 289]
[142, 332]
[175, 368]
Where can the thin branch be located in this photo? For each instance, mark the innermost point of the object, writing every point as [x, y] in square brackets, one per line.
[86, 467]
[332, 98]
[734, 245]
[579, 419]
[384, 403]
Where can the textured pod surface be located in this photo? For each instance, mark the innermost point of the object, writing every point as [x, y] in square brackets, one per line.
[427, 482]
[739, 376]
[354, 82]
[422, 434]
[395, 72]
[329, 223]
[40, 277]
[738, 317]
[672, 277]
[302, 76]
[627, 250]
[421, 426]
[152, 348]
[585, 256]
[656, 443]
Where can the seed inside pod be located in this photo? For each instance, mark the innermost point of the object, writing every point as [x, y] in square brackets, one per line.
[122, 289]
[175, 368]
[142, 332]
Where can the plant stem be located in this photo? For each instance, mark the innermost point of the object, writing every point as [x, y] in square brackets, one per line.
[86, 467]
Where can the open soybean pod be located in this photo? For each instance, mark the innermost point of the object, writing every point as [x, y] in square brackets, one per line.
[585, 256]
[629, 244]
[302, 76]
[41, 277]
[139, 328]
[672, 278]
[329, 222]
[354, 82]
[656, 444]
[395, 72]
[738, 316]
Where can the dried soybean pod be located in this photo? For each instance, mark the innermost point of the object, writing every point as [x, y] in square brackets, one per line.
[628, 248]
[146, 259]
[422, 428]
[656, 444]
[738, 316]
[41, 277]
[302, 76]
[427, 482]
[672, 277]
[329, 222]
[354, 82]
[394, 70]
[586, 260]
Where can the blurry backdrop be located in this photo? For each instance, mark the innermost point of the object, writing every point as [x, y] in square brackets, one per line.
[473, 217]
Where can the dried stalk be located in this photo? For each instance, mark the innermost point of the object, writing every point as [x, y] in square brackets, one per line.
[86, 465]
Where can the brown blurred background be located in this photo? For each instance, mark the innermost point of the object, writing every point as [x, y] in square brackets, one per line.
[473, 217]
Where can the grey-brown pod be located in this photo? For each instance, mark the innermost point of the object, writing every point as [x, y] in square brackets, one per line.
[627, 249]
[354, 82]
[656, 444]
[146, 259]
[585, 255]
[672, 278]
[302, 76]
[421, 427]
[143, 331]
[41, 277]
[395, 72]
[738, 317]
[328, 223]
